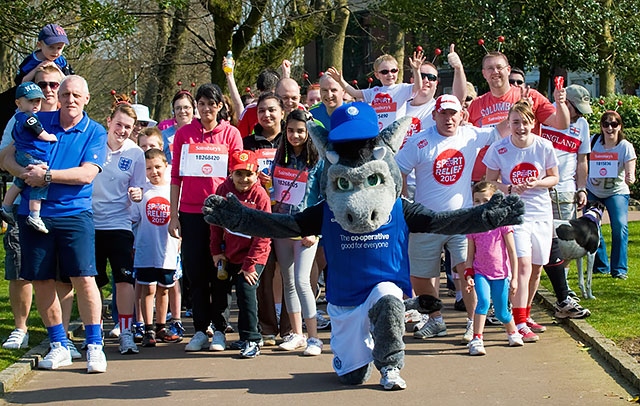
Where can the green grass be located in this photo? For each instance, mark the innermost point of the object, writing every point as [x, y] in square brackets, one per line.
[615, 312]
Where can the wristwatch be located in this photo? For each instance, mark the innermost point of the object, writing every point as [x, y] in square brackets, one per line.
[47, 176]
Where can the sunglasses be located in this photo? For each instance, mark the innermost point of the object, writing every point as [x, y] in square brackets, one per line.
[516, 82]
[612, 124]
[429, 76]
[52, 85]
[142, 123]
[387, 71]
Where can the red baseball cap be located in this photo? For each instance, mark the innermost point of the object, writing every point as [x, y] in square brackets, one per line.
[243, 161]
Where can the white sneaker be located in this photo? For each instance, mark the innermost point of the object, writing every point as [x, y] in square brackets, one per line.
[391, 379]
[293, 342]
[96, 360]
[38, 224]
[219, 342]
[314, 346]
[127, 344]
[17, 339]
[515, 339]
[476, 347]
[412, 316]
[58, 356]
[115, 332]
[468, 332]
[75, 354]
[198, 342]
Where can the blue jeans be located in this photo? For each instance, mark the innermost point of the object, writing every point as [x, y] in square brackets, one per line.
[617, 207]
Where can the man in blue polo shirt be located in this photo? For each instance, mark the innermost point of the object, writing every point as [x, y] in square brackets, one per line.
[69, 246]
[331, 94]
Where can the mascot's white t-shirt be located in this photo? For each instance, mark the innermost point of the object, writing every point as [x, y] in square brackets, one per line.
[568, 143]
[517, 164]
[444, 165]
[389, 102]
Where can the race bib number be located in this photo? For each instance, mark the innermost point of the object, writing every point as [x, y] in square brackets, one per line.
[287, 188]
[265, 159]
[603, 165]
[204, 160]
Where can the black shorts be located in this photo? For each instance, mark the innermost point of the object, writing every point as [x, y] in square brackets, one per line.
[151, 276]
[115, 246]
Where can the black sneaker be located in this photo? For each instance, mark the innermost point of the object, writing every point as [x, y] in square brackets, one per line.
[149, 339]
[459, 306]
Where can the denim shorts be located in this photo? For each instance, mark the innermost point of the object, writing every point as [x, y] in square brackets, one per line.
[70, 244]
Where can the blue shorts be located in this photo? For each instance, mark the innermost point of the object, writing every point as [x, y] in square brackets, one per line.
[35, 193]
[151, 276]
[69, 243]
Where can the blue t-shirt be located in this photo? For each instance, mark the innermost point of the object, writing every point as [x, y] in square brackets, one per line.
[85, 142]
[27, 142]
[31, 62]
[360, 261]
[319, 113]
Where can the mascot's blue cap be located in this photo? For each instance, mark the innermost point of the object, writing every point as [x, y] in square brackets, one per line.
[352, 122]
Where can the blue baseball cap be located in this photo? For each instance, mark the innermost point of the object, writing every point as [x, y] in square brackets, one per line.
[352, 122]
[29, 90]
[52, 34]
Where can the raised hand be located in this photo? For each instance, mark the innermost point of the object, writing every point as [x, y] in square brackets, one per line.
[453, 58]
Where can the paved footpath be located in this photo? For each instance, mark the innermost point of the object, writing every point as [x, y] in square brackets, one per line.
[558, 370]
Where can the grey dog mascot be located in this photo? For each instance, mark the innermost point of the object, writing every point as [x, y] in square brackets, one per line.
[364, 224]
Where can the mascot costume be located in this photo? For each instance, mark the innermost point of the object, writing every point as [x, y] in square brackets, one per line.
[364, 224]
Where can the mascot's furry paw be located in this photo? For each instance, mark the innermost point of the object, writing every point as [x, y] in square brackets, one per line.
[223, 212]
[424, 304]
[502, 211]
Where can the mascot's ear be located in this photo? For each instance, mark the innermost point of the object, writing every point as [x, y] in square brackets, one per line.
[319, 135]
[394, 134]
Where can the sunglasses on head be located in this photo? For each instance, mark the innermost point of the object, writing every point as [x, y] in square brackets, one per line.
[386, 71]
[516, 82]
[52, 85]
[612, 124]
[429, 76]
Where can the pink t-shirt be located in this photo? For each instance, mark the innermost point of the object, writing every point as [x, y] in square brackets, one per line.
[491, 258]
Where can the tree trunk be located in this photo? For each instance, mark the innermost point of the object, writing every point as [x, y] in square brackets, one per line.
[336, 28]
[167, 67]
[396, 46]
[163, 31]
[605, 51]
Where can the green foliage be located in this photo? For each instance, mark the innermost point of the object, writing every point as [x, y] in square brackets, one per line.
[627, 106]
[563, 34]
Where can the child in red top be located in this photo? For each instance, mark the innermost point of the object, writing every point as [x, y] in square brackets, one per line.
[244, 256]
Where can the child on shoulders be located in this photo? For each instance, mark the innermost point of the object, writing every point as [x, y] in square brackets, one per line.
[51, 42]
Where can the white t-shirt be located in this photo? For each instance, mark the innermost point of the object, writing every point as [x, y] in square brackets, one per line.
[121, 170]
[421, 117]
[155, 248]
[568, 143]
[517, 164]
[389, 102]
[605, 187]
[443, 165]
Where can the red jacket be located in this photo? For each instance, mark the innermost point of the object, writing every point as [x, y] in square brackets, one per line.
[238, 249]
[194, 190]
